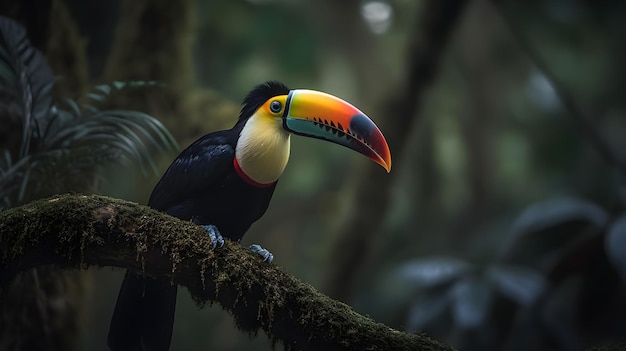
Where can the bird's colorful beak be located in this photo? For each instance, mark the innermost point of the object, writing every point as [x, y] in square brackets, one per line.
[319, 115]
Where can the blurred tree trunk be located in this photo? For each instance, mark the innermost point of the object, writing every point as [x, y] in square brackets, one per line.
[153, 42]
[345, 31]
[66, 54]
[433, 28]
[477, 123]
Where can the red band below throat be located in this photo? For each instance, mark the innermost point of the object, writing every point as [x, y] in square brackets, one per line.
[247, 179]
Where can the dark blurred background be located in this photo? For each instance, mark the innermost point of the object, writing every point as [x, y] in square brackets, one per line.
[501, 224]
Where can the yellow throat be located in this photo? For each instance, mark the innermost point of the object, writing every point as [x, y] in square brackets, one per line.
[263, 148]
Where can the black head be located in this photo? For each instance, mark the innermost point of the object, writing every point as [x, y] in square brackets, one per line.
[259, 95]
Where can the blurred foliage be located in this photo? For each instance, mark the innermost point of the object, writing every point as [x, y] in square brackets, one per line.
[44, 150]
[554, 285]
[505, 224]
[60, 150]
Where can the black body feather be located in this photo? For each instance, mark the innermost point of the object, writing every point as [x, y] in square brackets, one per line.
[201, 185]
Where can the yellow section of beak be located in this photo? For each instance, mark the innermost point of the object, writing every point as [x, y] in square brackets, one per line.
[320, 115]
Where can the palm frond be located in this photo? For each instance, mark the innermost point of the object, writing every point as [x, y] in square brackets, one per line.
[134, 133]
[61, 149]
[102, 92]
[26, 71]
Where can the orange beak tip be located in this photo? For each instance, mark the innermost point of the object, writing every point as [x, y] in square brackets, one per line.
[387, 166]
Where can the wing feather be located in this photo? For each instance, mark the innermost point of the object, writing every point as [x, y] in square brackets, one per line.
[197, 169]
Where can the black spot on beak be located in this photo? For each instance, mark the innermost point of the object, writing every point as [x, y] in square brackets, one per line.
[361, 127]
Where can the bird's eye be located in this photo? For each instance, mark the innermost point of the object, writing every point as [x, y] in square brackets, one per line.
[276, 106]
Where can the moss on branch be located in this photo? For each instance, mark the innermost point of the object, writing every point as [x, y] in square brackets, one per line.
[77, 231]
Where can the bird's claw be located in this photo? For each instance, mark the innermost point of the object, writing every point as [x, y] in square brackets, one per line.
[267, 256]
[216, 238]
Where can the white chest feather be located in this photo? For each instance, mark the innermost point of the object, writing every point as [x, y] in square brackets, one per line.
[263, 149]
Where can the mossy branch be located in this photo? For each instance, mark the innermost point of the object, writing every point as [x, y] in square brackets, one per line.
[77, 231]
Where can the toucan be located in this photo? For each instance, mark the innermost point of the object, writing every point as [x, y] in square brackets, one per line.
[224, 182]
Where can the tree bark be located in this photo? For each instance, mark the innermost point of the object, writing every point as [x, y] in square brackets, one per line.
[78, 231]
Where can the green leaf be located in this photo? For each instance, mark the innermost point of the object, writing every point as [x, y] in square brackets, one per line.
[67, 141]
[96, 97]
[547, 227]
[520, 284]
[472, 299]
[425, 309]
[118, 85]
[551, 213]
[615, 245]
[32, 78]
[103, 91]
[435, 271]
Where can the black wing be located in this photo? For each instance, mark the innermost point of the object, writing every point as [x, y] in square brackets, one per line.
[197, 169]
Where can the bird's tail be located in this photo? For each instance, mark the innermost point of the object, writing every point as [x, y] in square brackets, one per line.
[144, 315]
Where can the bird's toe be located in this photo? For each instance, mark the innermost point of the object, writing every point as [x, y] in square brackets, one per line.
[267, 256]
[216, 237]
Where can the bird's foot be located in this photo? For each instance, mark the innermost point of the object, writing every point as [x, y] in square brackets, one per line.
[267, 256]
[216, 238]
